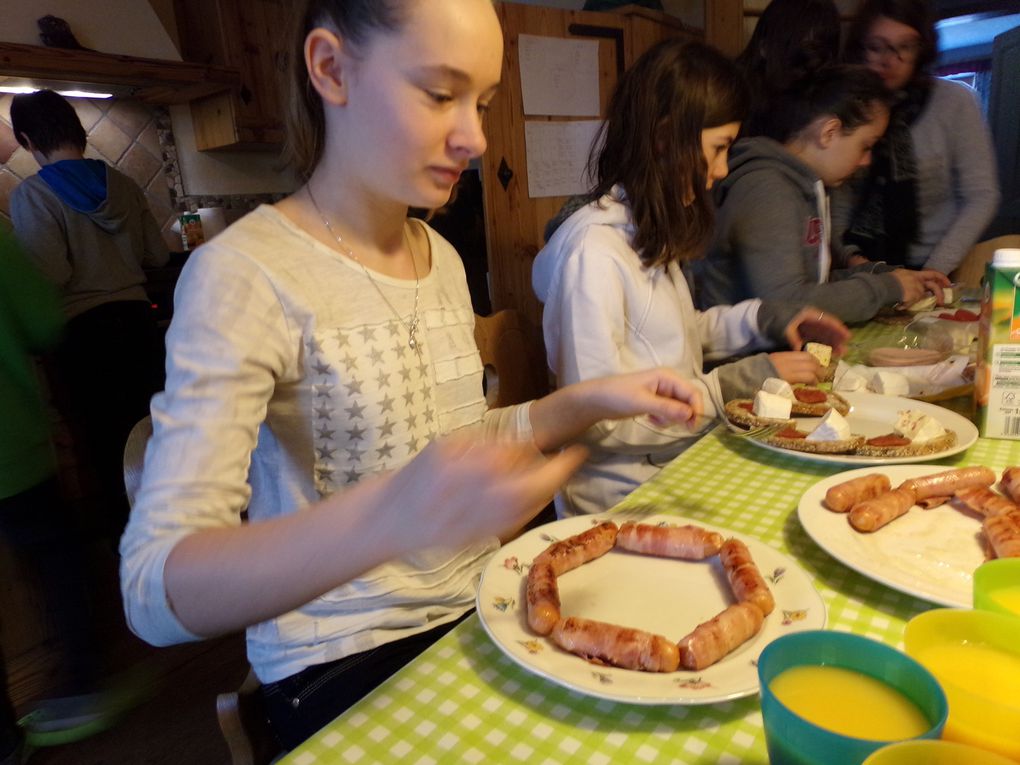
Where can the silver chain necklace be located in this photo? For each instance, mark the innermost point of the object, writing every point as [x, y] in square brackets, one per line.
[412, 326]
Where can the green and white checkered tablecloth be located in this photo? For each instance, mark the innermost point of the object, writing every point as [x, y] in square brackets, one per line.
[464, 701]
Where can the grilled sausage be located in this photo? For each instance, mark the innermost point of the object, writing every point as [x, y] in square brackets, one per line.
[841, 497]
[1011, 483]
[873, 514]
[619, 646]
[543, 597]
[984, 501]
[579, 549]
[745, 580]
[717, 637]
[687, 542]
[1003, 534]
[948, 481]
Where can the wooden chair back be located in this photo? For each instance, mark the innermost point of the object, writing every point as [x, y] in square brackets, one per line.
[134, 456]
[972, 269]
[245, 726]
[514, 359]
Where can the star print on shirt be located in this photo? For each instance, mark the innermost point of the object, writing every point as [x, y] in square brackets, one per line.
[323, 412]
[385, 451]
[394, 328]
[356, 434]
[367, 333]
[381, 379]
[325, 453]
[386, 405]
[321, 368]
[409, 397]
[325, 433]
[355, 411]
[341, 336]
[352, 476]
[323, 391]
[387, 428]
[354, 386]
[313, 345]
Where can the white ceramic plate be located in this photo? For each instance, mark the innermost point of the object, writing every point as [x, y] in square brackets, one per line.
[874, 415]
[669, 597]
[930, 554]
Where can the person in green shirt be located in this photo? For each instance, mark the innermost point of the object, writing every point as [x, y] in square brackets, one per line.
[35, 523]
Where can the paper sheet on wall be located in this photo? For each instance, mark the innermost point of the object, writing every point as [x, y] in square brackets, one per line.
[558, 156]
[559, 77]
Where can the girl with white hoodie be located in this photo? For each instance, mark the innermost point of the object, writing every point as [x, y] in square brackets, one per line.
[615, 296]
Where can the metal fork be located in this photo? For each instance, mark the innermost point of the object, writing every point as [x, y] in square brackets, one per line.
[761, 431]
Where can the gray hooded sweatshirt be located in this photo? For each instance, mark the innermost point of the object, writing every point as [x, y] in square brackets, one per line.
[89, 232]
[771, 241]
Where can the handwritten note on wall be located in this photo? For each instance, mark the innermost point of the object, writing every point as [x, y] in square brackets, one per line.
[558, 156]
[559, 77]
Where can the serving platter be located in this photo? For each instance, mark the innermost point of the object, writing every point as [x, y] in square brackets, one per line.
[668, 597]
[930, 554]
[873, 415]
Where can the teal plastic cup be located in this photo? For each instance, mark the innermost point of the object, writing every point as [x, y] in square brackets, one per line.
[792, 740]
[997, 586]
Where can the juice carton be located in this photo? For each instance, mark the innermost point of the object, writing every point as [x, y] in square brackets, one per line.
[997, 379]
[191, 231]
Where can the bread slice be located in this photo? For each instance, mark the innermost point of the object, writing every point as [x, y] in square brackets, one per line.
[737, 413]
[848, 446]
[931, 446]
[832, 401]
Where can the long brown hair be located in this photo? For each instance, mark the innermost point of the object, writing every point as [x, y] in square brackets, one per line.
[354, 21]
[651, 144]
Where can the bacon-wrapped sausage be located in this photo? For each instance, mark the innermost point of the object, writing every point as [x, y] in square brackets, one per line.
[615, 645]
[572, 552]
[717, 637]
[1003, 534]
[984, 501]
[841, 497]
[687, 542]
[543, 596]
[872, 514]
[745, 580]
[948, 481]
[1011, 483]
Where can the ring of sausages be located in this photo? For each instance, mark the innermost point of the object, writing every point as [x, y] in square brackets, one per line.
[628, 648]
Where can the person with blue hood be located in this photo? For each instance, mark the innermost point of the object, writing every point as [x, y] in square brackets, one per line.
[89, 230]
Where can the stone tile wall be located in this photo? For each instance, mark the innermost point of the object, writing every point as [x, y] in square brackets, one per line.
[138, 140]
[126, 134]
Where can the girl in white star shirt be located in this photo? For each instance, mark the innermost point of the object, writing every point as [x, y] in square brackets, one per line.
[319, 348]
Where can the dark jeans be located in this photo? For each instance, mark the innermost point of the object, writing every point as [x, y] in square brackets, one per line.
[42, 535]
[301, 704]
[108, 367]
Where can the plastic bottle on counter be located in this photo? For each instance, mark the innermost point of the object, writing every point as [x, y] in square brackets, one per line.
[997, 377]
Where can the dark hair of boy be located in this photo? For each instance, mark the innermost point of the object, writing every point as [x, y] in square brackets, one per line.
[916, 14]
[48, 120]
[848, 92]
[652, 144]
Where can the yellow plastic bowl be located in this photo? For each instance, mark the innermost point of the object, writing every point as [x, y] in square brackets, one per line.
[997, 586]
[935, 753]
[975, 655]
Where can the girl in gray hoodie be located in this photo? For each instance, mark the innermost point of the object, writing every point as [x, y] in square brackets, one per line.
[773, 237]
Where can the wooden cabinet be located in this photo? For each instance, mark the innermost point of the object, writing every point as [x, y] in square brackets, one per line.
[254, 37]
[514, 221]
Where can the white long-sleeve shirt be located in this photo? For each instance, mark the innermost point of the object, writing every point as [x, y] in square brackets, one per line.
[290, 378]
[606, 313]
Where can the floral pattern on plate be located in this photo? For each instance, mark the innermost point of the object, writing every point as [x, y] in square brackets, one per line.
[667, 596]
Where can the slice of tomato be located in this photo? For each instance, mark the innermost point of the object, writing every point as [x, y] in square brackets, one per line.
[791, 433]
[890, 439]
[810, 395]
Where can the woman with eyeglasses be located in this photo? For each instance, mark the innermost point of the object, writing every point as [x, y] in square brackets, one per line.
[931, 188]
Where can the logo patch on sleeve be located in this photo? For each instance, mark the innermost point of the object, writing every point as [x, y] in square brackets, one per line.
[813, 232]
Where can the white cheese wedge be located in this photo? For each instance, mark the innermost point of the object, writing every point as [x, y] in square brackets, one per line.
[821, 352]
[947, 295]
[778, 387]
[889, 384]
[924, 304]
[833, 427]
[847, 380]
[772, 406]
[918, 426]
